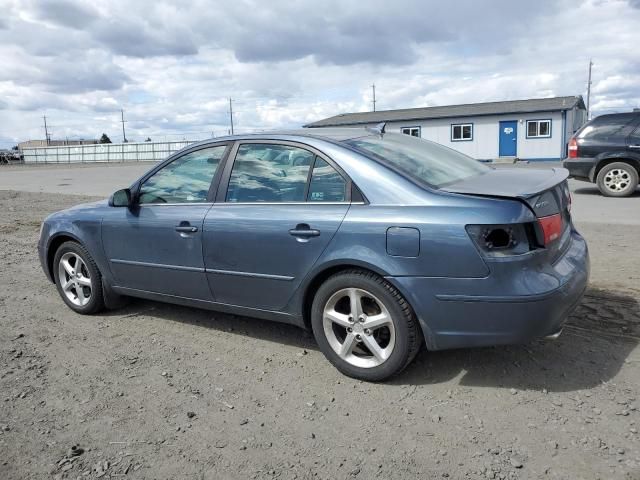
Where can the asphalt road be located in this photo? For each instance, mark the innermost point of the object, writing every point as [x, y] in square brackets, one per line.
[104, 179]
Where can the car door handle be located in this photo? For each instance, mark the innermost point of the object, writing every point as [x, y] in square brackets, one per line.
[305, 231]
[186, 229]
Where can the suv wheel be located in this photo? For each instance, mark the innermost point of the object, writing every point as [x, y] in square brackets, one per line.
[364, 326]
[617, 179]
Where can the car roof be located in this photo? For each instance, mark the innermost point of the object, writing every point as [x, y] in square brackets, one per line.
[332, 134]
[610, 116]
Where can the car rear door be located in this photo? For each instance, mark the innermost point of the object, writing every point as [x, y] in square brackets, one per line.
[278, 208]
[156, 246]
[633, 141]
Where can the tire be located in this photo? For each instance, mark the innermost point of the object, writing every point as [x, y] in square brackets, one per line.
[397, 335]
[618, 179]
[87, 281]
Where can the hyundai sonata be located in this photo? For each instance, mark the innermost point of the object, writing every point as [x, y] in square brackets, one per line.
[377, 242]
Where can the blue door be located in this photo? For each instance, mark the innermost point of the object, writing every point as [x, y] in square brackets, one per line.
[156, 246]
[508, 138]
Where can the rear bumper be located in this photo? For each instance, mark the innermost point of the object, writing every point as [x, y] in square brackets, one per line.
[580, 168]
[529, 305]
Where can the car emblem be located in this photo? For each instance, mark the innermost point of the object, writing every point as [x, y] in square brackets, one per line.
[542, 204]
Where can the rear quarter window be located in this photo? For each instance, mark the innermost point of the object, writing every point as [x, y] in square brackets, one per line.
[607, 128]
[427, 162]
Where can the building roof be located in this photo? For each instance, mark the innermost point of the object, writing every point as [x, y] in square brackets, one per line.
[471, 109]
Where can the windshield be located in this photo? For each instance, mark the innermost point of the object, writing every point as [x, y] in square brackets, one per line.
[422, 160]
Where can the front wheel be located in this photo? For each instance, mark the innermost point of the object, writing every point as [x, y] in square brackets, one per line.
[364, 326]
[78, 279]
[617, 179]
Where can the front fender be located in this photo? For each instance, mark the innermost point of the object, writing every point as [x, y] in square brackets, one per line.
[85, 230]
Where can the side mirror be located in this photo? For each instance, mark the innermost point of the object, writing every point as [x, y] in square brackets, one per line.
[121, 198]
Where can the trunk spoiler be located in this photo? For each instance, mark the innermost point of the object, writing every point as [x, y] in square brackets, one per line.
[510, 182]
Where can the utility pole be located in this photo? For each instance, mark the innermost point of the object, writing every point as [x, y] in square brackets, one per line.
[46, 131]
[231, 115]
[589, 90]
[374, 96]
[124, 136]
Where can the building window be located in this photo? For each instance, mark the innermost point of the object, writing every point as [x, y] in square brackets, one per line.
[538, 128]
[461, 132]
[413, 131]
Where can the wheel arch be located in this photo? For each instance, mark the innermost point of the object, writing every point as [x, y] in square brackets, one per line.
[54, 244]
[326, 271]
[635, 163]
[318, 277]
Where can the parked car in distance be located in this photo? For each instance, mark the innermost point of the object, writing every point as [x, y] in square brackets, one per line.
[10, 156]
[379, 243]
[606, 151]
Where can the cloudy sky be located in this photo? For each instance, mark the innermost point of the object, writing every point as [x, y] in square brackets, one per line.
[286, 62]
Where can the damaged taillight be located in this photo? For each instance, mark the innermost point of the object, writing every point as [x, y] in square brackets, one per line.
[503, 240]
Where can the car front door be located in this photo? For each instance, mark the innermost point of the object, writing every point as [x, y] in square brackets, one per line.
[156, 245]
[281, 208]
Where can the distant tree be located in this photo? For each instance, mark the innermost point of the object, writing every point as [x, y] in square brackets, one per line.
[104, 139]
[15, 147]
[148, 139]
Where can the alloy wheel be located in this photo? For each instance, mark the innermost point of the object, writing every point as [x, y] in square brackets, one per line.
[617, 180]
[75, 279]
[359, 327]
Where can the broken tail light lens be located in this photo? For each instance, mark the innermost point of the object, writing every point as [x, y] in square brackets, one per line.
[503, 240]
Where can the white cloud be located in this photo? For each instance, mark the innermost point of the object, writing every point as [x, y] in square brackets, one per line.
[173, 68]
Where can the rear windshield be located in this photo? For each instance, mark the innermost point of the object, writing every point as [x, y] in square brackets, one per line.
[605, 127]
[427, 162]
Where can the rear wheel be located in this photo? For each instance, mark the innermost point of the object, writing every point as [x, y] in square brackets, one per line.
[364, 326]
[78, 279]
[617, 179]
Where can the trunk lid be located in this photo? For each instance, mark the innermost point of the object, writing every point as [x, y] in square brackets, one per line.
[546, 192]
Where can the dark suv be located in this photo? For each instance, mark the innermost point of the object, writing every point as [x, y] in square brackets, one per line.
[606, 151]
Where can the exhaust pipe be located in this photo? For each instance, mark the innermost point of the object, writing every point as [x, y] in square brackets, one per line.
[554, 336]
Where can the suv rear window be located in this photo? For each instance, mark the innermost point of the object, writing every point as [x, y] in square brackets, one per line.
[605, 128]
[422, 160]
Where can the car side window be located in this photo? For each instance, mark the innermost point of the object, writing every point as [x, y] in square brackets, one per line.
[185, 180]
[269, 173]
[327, 185]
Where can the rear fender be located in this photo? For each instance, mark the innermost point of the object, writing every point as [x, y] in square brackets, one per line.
[612, 158]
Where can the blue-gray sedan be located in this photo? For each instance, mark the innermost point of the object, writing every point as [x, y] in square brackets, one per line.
[378, 242]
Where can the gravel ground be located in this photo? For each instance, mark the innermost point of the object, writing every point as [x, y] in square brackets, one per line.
[159, 391]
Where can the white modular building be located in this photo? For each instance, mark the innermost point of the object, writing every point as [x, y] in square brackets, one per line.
[533, 129]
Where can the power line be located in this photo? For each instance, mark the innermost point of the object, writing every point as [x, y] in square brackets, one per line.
[589, 88]
[46, 131]
[374, 96]
[231, 114]
[124, 136]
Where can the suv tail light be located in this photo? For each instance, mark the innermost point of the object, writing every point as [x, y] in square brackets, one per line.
[573, 148]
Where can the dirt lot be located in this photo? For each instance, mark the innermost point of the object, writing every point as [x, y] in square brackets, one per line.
[155, 391]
